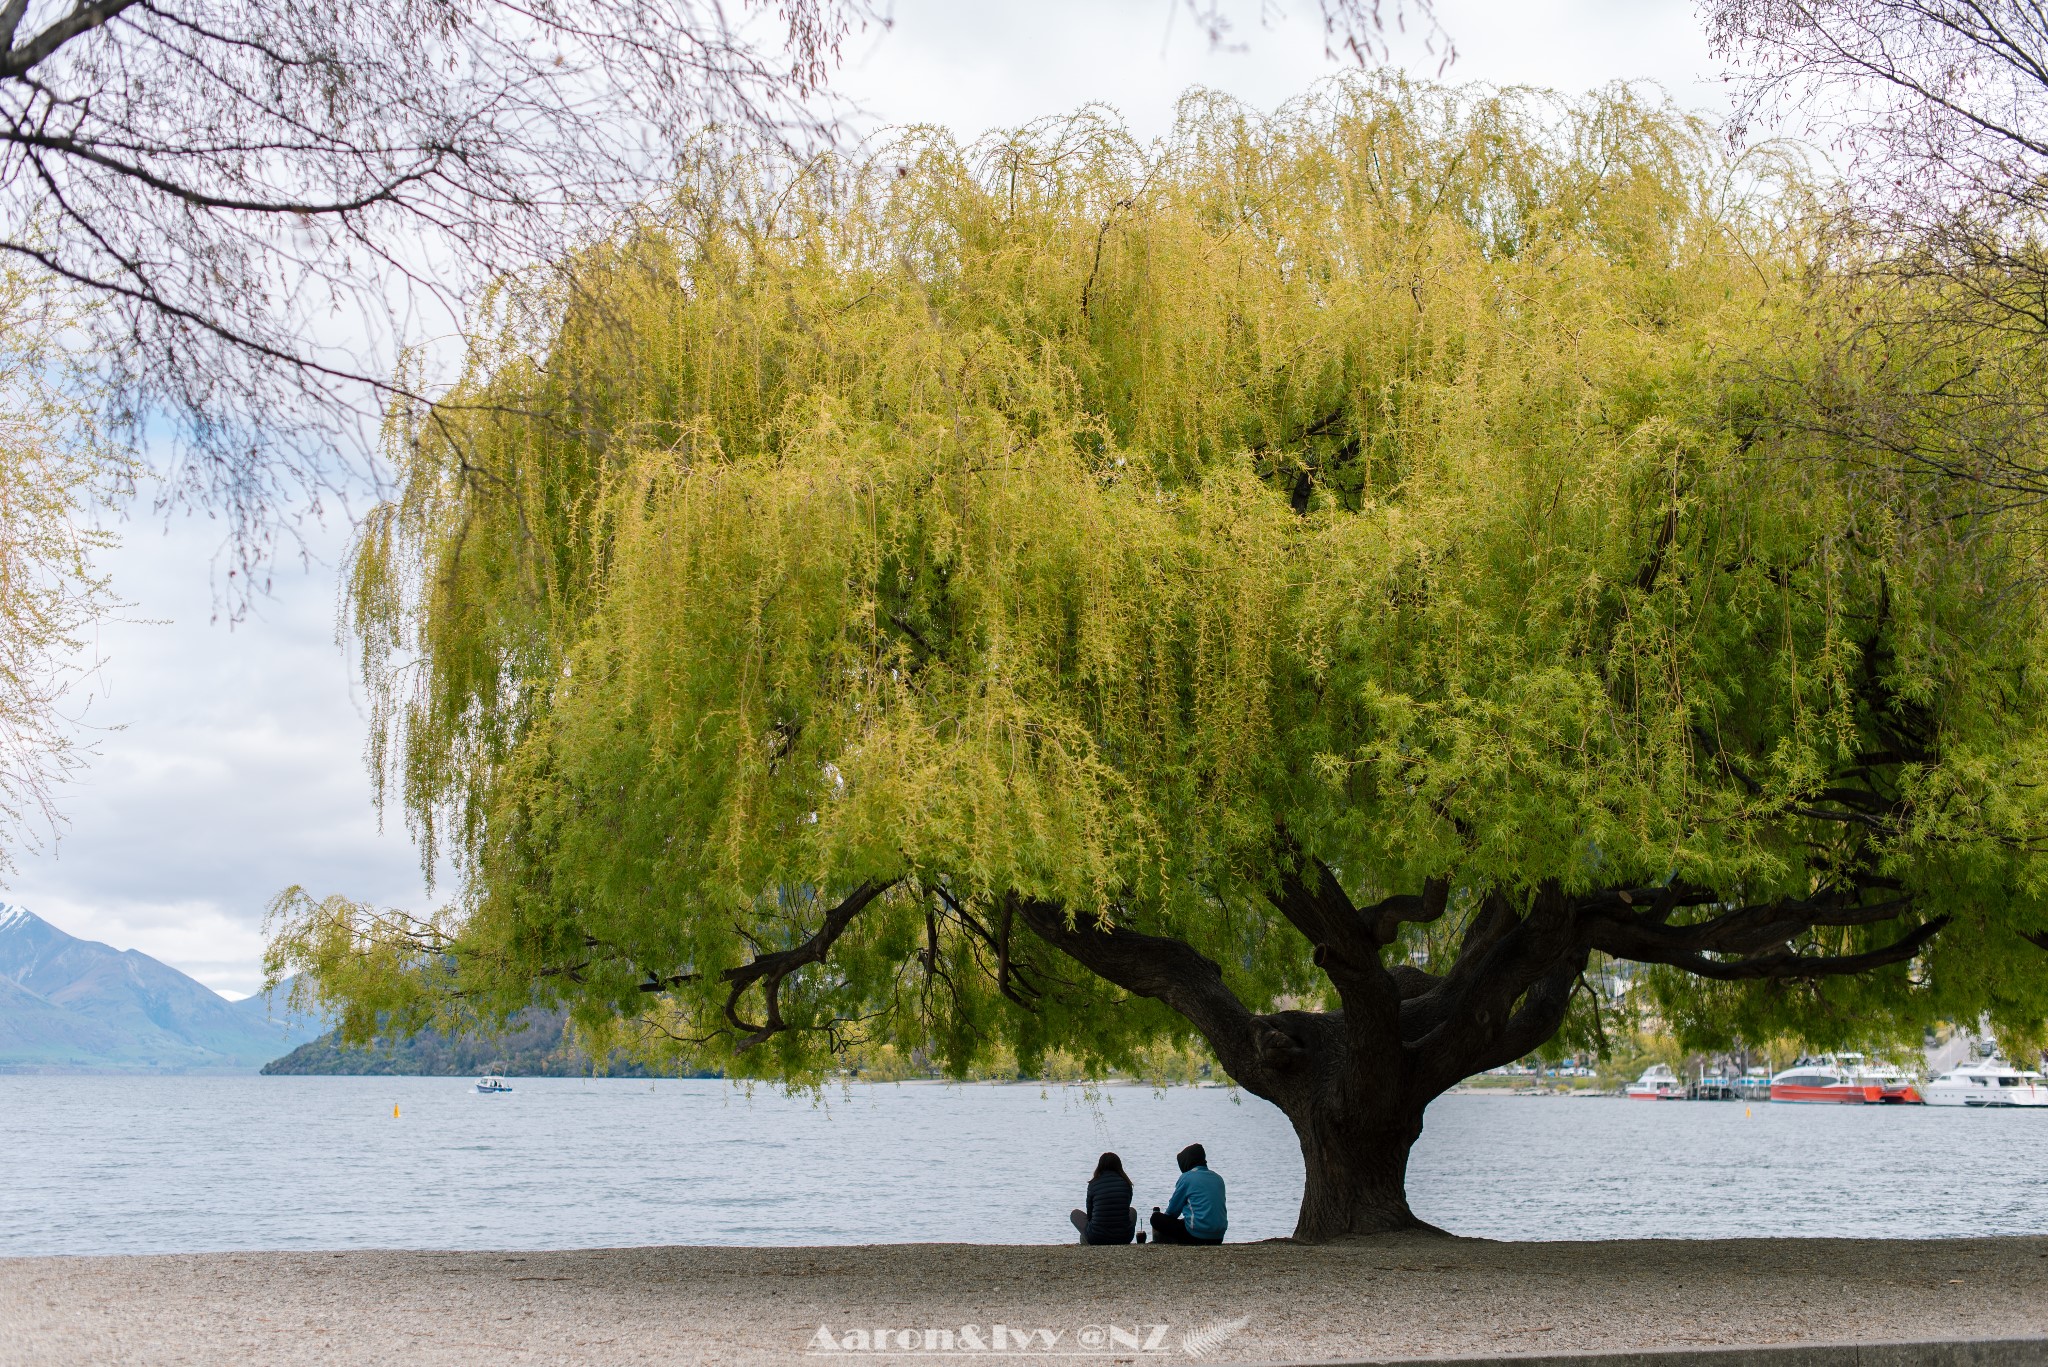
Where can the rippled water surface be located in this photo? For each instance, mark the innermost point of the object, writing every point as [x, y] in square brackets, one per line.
[131, 1165]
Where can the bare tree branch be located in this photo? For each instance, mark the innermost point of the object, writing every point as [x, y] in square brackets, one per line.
[1939, 111]
[267, 209]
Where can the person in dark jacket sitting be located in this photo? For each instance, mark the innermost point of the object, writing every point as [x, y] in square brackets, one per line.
[1110, 1217]
[1199, 1197]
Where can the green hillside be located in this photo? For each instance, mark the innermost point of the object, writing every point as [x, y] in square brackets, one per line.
[535, 1049]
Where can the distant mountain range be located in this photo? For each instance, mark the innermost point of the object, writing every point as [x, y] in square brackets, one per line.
[69, 1005]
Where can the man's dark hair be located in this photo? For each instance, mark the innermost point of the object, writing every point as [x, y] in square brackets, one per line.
[1191, 1157]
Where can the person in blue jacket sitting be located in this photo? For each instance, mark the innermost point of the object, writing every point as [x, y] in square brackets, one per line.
[1199, 1193]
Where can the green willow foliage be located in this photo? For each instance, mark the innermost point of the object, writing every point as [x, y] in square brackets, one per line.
[1060, 516]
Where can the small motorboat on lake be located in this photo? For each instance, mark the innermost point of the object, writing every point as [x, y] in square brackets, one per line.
[1991, 1082]
[1658, 1083]
[493, 1083]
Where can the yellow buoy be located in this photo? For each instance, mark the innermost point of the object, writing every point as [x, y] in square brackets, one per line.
[394, 1113]
[1745, 1112]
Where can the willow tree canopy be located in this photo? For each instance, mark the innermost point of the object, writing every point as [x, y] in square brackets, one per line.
[1323, 581]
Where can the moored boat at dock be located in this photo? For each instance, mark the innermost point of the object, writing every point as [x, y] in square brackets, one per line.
[1846, 1079]
[1990, 1082]
[1658, 1083]
[1820, 1081]
[1895, 1086]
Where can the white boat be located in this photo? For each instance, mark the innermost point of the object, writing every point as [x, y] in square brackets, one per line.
[1658, 1083]
[1991, 1082]
[493, 1083]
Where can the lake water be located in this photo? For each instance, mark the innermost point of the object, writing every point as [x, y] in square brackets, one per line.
[144, 1165]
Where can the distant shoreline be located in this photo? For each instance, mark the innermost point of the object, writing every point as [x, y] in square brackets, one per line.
[1406, 1295]
[8, 1071]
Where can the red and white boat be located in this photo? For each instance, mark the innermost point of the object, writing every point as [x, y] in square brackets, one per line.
[1658, 1083]
[1822, 1080]
[1895, 1087]
[1845, 1079]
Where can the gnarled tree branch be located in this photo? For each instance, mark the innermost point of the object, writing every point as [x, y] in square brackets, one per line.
[1744, 930]
[770, 969]
[1782, 965]
[1164, 969]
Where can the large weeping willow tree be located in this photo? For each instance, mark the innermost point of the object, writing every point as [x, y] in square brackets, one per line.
[1338, 584]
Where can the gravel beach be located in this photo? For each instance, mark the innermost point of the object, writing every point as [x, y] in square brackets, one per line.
[1407, 1295]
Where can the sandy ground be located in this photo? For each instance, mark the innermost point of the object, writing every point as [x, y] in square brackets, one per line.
[1391, 1297]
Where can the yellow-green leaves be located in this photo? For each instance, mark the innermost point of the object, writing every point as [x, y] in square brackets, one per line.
[55, 467]
[1059, 518]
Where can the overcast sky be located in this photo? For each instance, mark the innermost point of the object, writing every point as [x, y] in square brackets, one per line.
[238, 769]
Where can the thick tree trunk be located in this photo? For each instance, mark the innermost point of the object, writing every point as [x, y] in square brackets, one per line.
[1356, 1172]
[1352, 1088]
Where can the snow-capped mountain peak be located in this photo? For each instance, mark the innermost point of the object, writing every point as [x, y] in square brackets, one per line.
[67, 1003]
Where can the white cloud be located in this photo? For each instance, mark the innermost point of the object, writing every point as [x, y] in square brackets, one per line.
[238, 770]
[974, 67]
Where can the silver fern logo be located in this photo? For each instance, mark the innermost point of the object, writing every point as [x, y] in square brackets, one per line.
[1206, 1340]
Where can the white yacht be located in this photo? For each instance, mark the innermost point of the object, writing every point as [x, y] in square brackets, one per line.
[493, 1083]
[1989, 1082]
[1658, 1083]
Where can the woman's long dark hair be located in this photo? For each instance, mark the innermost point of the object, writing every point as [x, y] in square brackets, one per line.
[1109, 1162]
